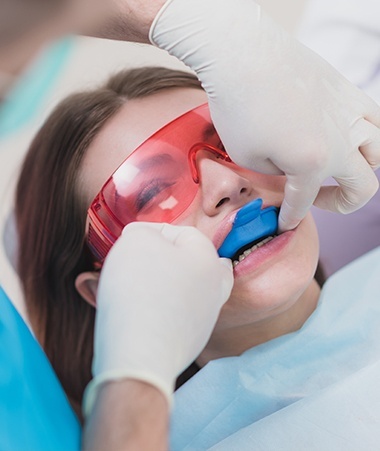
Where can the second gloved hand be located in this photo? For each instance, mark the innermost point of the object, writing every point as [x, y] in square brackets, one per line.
[159, 296]
[278, 107]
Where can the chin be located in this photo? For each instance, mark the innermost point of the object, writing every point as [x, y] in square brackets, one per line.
[268, 294]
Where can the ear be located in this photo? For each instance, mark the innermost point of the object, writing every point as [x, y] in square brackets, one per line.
[87, 286]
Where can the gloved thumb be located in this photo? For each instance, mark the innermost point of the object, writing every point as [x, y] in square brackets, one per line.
[172, 233]
[299, 197]
[227, 278]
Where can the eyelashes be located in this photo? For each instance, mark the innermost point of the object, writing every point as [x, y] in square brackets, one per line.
[145, 198]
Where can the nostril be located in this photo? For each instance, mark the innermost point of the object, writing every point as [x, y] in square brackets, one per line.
[222, 201]
[243, 190]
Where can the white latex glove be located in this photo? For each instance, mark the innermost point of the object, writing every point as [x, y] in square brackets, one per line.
[277, 106]
[159, 296]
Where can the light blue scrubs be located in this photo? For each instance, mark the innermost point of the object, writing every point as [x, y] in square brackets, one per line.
[314, 389]
[35, 414]
[26, 97]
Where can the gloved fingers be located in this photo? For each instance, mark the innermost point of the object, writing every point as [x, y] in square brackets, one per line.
[299, 197]
[264, 165]
[177, 235]
[357, 101]
[227, 279]
[156, 226]
[187, 238]
[355, 189]
[370, 110]
[369, 142]
[196, 244]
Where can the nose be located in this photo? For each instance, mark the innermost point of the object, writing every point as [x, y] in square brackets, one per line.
[221, 186]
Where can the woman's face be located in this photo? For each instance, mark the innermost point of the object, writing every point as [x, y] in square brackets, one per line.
[272, 278]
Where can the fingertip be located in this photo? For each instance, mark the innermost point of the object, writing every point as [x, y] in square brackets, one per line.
[300, 193]
[285, 223]
[226, 262]
[128, 227]
[227, 279]
[372, 112]
[136, 225]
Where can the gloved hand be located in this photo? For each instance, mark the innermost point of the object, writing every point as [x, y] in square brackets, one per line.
[277, 106]
[159, 296]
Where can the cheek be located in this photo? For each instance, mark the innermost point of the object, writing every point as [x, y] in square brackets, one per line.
[275, 288]
[194, 216]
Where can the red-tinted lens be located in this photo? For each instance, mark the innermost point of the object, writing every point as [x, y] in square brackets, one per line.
[155, 183]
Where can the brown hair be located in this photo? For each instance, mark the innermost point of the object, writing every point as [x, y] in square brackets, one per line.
[51, 216]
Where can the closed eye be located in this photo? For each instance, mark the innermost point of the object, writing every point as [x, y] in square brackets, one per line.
[147, 195]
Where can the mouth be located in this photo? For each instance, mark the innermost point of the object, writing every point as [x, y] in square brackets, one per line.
[252, 228]
[244, 251]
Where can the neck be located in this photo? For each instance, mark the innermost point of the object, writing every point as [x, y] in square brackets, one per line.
[234, 341]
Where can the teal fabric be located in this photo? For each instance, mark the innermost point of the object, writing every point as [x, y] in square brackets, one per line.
[30, 91]
[35, 414]
[301, 388]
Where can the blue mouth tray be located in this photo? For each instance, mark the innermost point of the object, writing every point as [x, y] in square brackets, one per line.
[251, 223]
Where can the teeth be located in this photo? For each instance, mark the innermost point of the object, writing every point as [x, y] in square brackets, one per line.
[249, 251]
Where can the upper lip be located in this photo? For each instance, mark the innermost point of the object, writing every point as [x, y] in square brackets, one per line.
[224, 228]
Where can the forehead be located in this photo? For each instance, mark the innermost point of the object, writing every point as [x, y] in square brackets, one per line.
[128, 128]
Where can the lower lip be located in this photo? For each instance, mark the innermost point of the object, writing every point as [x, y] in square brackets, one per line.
[270, 250]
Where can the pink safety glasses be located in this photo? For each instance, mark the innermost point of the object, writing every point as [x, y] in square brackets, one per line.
[157, 182]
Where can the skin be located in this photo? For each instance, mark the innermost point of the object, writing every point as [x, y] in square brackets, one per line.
[127, 20]
[139, 422]
[19, 49]
[274, 290]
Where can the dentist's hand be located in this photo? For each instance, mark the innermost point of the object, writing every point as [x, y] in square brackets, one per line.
[278, 107]
[159, 296]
